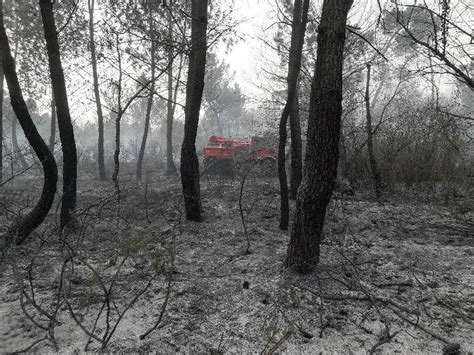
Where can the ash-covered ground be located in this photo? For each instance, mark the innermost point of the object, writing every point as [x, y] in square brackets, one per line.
[396, 275]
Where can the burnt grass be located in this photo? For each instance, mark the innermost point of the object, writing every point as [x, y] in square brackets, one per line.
[396, 275]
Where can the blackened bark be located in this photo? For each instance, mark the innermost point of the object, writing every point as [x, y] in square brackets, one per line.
[149, 106]
[16, 146]
[1, 121]
[172, 97]
[322, 153]
[194, 88]
[370, 144]
[170, 166]
[298, 28]
[52, 133]
[296, 148]
[20, 230]
[118, 120]
[95, 77]
[66, 131]
[115, 173]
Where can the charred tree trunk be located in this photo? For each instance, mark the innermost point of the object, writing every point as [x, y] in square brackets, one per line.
[117, 155]
[20, 230]
[118, 120]
[322, 153]
[170, 166]
[16, 149]
[298, 28]
[171, 104]
[16, 146]
[52, 135]
[149, 106]
[1, 121]
[66, 131]
[296, 148]
[194, 88]
[100, 116]
[370, 144]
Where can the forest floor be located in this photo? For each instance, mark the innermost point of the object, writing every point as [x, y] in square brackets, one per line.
[396, 275]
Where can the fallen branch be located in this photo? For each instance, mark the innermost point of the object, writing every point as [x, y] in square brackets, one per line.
[419, 326]
[280, 342]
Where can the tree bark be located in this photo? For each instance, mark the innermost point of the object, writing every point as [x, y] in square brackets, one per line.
[66, 131]
[16, 145]
[118, 120]
[322, 153]
[149, 106]
[1, 121]
[194, 89]
[20, 230]
[298, 28]
[296, 148]
[52, 135]
[95, 77]
[171, 104]
[370, 145]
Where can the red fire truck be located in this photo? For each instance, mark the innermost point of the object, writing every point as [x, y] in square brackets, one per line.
[222, 155]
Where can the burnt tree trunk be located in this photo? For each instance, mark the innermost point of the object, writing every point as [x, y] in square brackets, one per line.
[170, 166]
[149, 106]
[118, 120]
[66, 131]
[16, 149]
[1, 121]
[52, 133]
[194, 87]
[370, 143]
[16, 146]
[20, 230]
[171, 104]
[296, 148]
[95, 77]
[298, 28]
[322, 152]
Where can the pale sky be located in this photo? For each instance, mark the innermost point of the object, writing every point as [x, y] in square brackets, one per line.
[245, 57]
[249, 54]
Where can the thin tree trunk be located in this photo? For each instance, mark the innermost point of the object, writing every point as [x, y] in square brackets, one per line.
[342, 164]
[170, 166]
[1, 121]
[296, 148]
[20, 230]
[171, 104]
[52, 135]
[432, 81]
[194, 88]
[149, 106]
[100, 116]
[370, 146]
[298, 28]
[66, 131]
[117, 122]
[322, 152]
